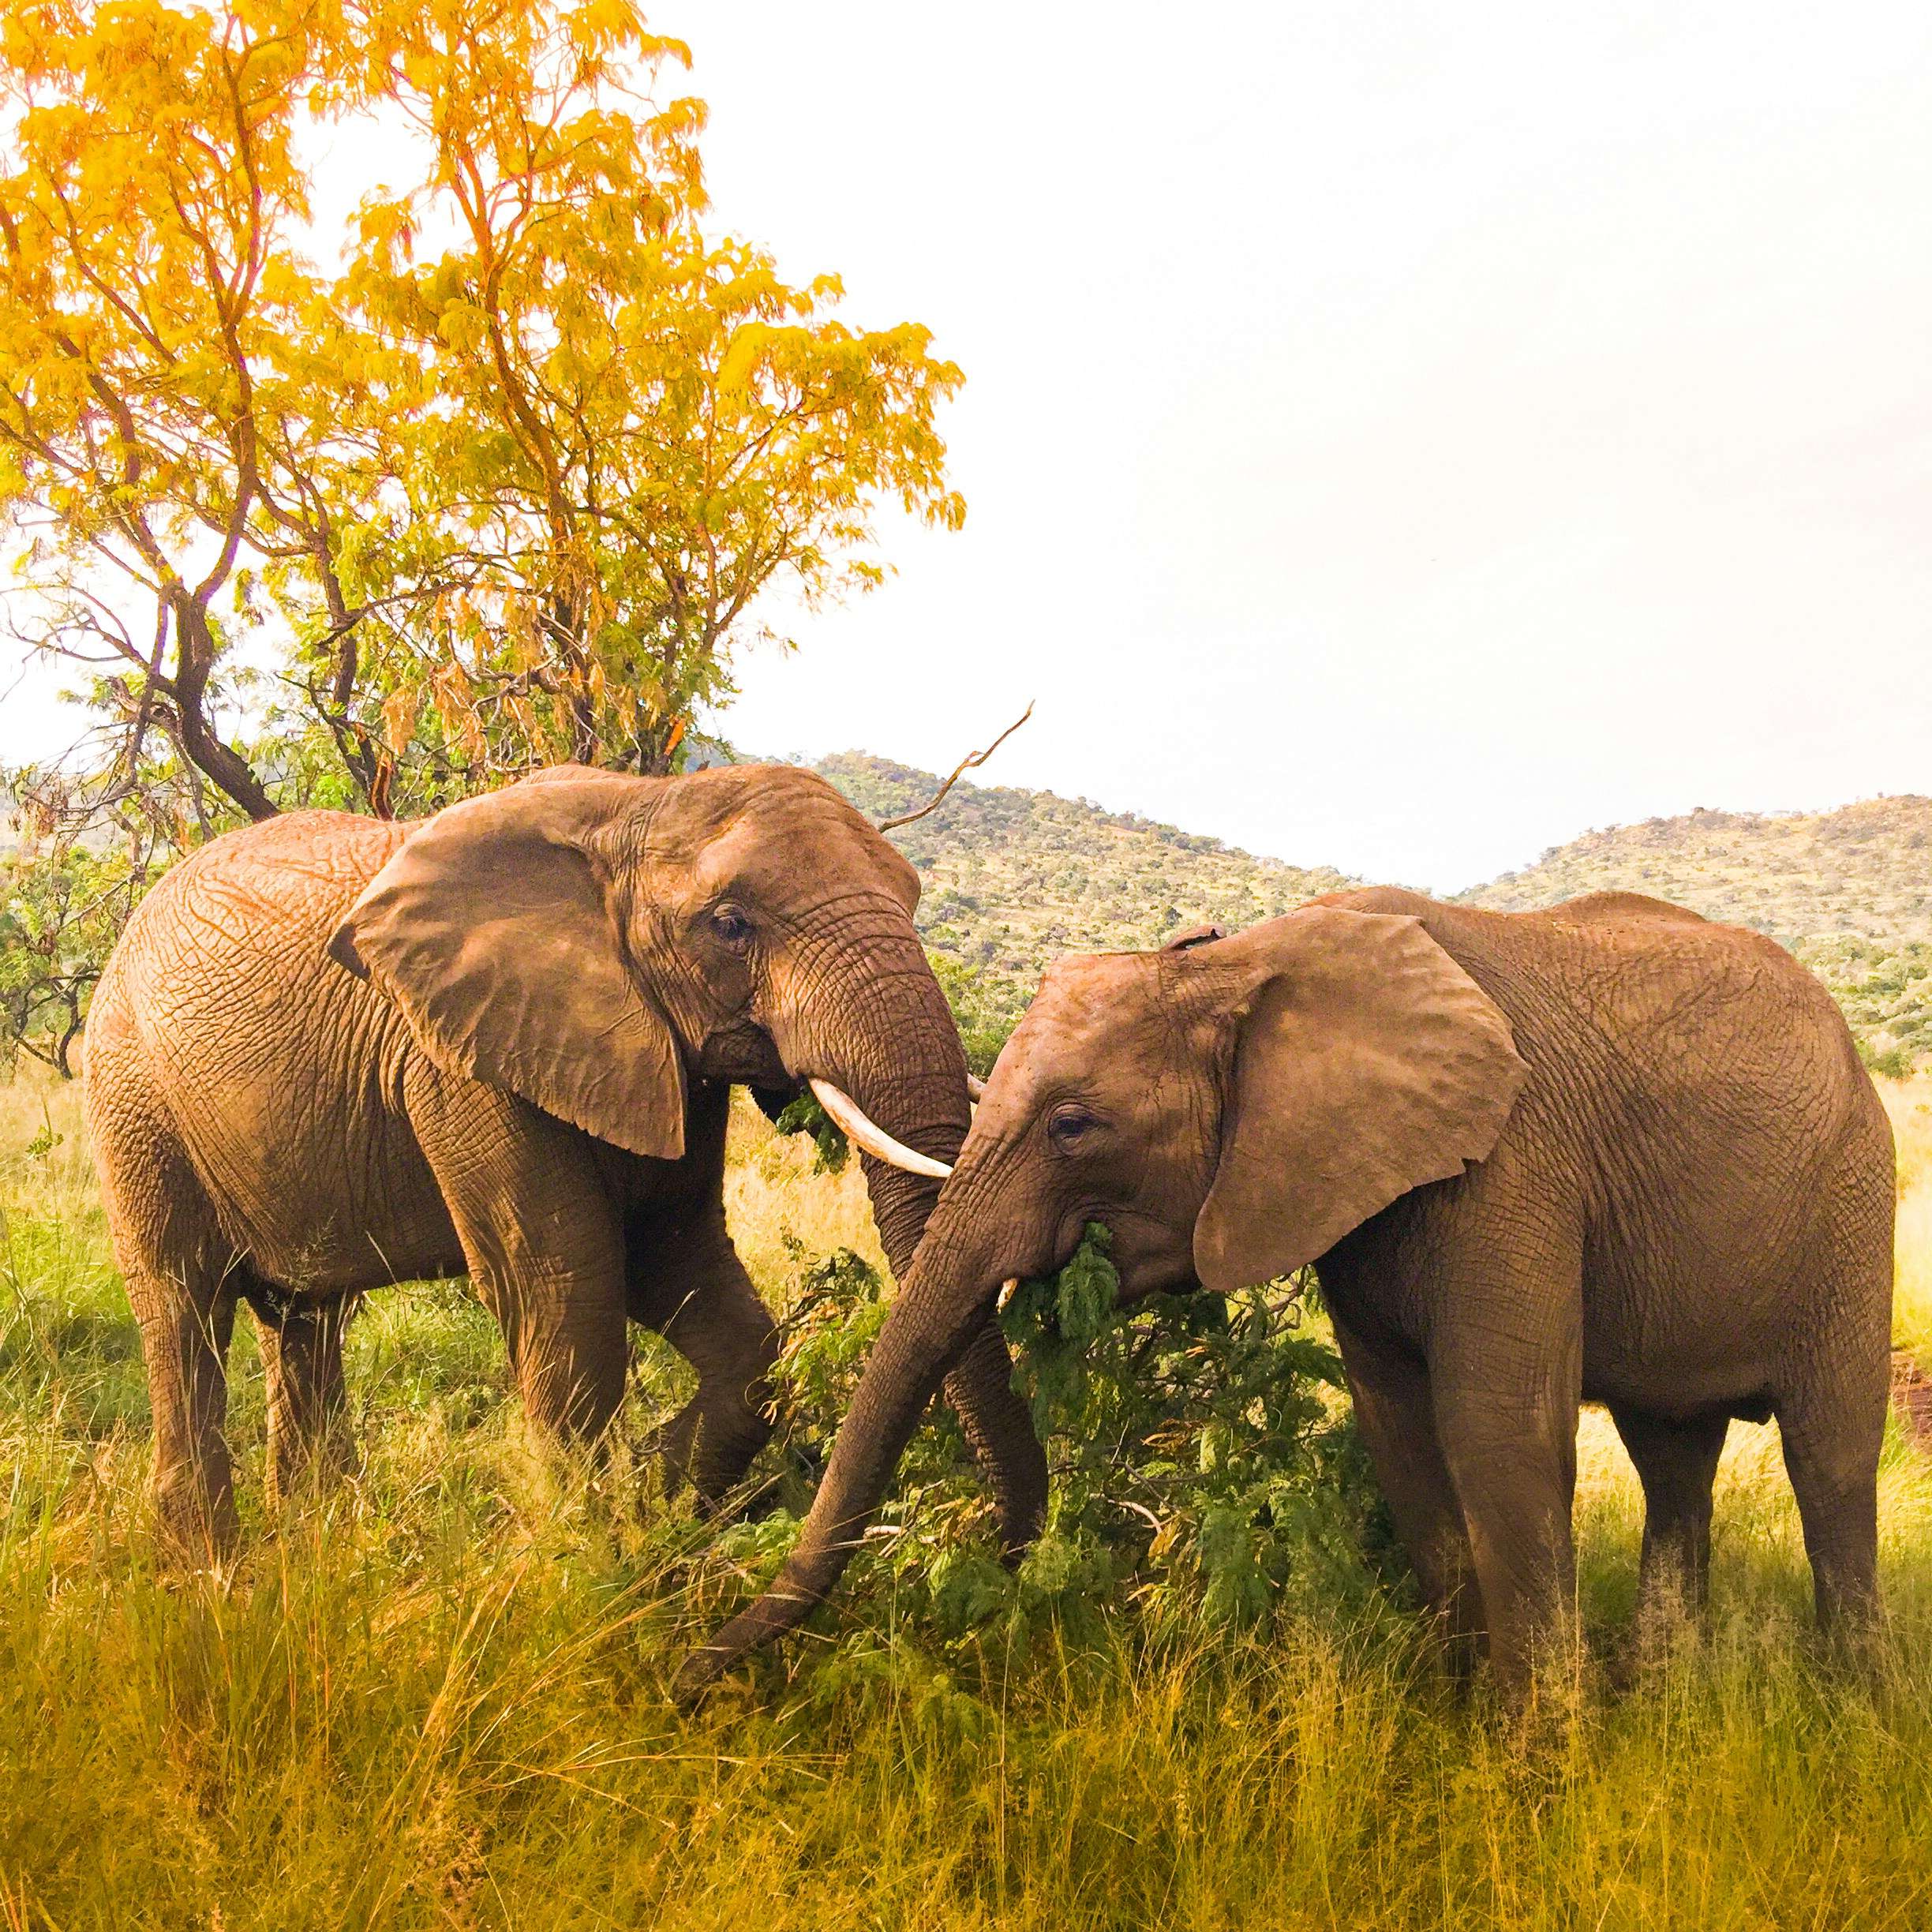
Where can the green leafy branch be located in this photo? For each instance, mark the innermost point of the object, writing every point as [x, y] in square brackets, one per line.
[1204, 1475]
[805, 1115]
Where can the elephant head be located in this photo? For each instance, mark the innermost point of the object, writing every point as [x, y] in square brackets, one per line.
[1230, 1109]
[592, 942]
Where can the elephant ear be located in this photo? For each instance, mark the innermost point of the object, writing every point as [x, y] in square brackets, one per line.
[493, 929]
[1367, 1063]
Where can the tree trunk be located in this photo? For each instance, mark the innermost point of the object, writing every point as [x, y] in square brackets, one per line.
[223, 765]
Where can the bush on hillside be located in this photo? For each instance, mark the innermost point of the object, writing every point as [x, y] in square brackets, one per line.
[986, 1006]
[1886, 992]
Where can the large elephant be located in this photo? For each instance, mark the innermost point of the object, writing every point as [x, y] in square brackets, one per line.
[331, 1052]
[1608, 1152]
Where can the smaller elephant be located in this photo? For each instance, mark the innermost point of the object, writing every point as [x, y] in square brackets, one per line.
[1609, 1152]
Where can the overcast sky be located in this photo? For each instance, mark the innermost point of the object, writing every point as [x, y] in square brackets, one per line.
[1399, 436]
[1395, 437]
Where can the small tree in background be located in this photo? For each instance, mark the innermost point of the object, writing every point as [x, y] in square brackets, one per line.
[63, 901]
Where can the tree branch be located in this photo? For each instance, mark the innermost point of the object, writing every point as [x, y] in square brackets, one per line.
[972, 761]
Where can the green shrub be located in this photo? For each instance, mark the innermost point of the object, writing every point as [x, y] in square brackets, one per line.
[1199, 1447]
[804, 1115]
[1205, 1474]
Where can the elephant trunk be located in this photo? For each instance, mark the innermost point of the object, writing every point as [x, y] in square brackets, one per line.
[902, 1063]
[876, 1024]
[979, 1383]
[931, 1329]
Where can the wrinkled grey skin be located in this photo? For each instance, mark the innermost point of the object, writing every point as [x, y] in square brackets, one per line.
[1608, 1152]
[331, 1052]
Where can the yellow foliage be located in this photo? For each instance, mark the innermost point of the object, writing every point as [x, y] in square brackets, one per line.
[588, 428]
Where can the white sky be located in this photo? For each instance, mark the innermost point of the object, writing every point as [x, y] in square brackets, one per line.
[1396, 436]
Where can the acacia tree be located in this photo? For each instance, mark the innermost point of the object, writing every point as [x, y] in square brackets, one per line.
[503, 491]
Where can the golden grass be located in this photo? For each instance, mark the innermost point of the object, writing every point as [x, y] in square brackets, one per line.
[1909, 1103]
[437, 1699]
[772, 1197]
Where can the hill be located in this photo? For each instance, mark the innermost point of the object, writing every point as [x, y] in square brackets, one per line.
[1849, 892]
[1863, 869]
[1014, 878]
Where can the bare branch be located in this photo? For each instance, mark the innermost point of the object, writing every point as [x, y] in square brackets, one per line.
[972, 761]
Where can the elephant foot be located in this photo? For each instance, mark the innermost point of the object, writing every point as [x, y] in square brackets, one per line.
[308, 1470]
[1456, 1645]
[195, 1524]
[712, 1456]
[1546, 1687]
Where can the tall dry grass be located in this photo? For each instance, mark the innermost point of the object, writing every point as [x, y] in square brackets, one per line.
[437, 1698]
[1909, 1103]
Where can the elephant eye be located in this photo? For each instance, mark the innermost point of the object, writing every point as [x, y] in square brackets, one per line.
[730, 926]
[1068, 1126]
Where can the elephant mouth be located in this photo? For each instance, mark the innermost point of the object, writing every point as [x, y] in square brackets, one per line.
[743, 1055]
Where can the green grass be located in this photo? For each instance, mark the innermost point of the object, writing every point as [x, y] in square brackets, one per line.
[437, 1699]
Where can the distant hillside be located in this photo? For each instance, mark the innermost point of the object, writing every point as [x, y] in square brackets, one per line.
[1011, 875]
[1849, 891]
[1014, 878]
[1864, 869]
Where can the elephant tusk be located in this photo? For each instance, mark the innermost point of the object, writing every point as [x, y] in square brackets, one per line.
[975, 1087]
[872, 1139]
[1006, 1292]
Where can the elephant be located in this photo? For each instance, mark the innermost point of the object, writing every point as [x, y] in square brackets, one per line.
[1608, 1152]
[331, 1052]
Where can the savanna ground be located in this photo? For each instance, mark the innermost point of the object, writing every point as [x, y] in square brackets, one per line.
[438, 1698]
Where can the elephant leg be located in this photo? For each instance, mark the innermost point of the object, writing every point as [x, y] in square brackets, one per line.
[309, 1438]
[1506, 1377]
[1676, 1462]
[1396, 1414]
[181, 1277]
[1832, 1428]
[186, 1325]
[691, 1287]
[543, 1244]
[1832, 1413]
[1000, 1427]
